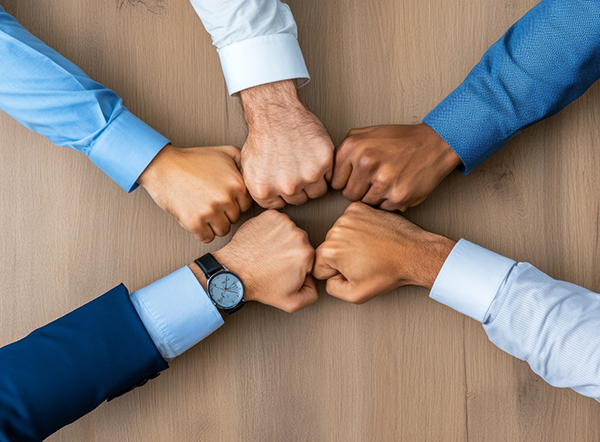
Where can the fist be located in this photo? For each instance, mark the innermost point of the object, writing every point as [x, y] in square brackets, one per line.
[274, 260]
[369, 252]
[393, 167]
[201, 187]
[288, 155]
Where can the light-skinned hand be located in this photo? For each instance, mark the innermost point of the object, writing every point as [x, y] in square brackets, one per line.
[369, 252]
[392, 167]
[274, 260]
[288, 155]
[201, 187]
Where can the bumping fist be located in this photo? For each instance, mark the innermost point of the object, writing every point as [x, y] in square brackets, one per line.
[274, 260]
[369, 252]
[288, 155]
[201, 187]
[393, 167]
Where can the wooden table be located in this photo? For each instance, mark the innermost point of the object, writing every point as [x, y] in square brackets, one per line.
[401, 367]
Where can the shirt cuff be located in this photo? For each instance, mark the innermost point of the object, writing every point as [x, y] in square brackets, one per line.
[470, 279]
[125, 148]
[176, 312]
[262, 60]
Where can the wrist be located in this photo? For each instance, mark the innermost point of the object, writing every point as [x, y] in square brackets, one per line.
[272, 99]
[432, 254]
[447, 158]
[156, 166]
[235, 263]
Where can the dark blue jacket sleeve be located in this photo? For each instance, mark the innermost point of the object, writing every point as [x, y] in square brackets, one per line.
[550, 57]
[67, 368]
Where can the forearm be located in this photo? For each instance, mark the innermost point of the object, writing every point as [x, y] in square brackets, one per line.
[256, 40]
[552, 325]
[51, 96]
[67, 368]
[546, 60]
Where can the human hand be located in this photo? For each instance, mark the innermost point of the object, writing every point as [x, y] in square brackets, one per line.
[201, 187]
[393, 167]
[274, 259]
[369, 252]
[288, 155]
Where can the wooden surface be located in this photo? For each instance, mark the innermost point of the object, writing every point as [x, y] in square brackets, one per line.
[401, 367]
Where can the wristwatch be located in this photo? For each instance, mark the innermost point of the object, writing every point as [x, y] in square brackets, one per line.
[225, 289]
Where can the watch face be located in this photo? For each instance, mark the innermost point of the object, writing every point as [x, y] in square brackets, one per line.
[226, 289]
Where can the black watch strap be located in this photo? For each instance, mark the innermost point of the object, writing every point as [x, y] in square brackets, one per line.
[209, 265]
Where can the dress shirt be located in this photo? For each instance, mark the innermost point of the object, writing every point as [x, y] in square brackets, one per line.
[257, 41]
[546, 60]
[51, 96]
[552, 325]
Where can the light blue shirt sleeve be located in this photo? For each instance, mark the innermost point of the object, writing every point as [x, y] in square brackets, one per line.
[550, 57]
[257, 41]
[51, 96]
[552, 325]
[176, 312]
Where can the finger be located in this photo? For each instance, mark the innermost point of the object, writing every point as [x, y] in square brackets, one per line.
[373, 197]
[322, 269]
[233, 213]
[339, 287]
[418, 202]
[392, 207]
[244, 201]
[307, 294]
[316, 190]
[356, 188]
[342, 170]
[234, 153]
[271, 203]
[361, 130]
[206, 235]
[297, 199]
[220, 225]
[329, 173]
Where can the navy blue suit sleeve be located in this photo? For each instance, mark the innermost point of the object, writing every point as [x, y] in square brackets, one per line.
[550, 57]
[67, 368]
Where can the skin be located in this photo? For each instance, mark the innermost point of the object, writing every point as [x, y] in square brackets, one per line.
[288, 155]
[201, 187]
[392, 167]
[369, 252]
[274, 260]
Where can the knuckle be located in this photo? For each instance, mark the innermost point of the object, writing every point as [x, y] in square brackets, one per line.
[289, 187]
[261, 191]
[366, 163]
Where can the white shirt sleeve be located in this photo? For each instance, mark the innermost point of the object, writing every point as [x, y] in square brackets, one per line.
[552, 325]
[257, 41]
[176, 312]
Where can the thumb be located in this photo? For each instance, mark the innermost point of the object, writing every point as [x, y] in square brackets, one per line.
[339, 287]
[322, 268]
[234, 153]
[306, 296]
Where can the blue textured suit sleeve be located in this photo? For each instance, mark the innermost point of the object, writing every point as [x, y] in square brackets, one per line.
[546, 60]
[50, 95]
[67, 368]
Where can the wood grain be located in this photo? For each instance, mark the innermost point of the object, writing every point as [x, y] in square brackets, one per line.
[401, 367]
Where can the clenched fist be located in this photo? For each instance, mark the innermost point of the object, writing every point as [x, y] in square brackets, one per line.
[369, 252]
[288, 155]
[393, 167]
[274, 260]
[201, 187]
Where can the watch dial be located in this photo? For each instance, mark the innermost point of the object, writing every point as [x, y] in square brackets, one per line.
[226, 289]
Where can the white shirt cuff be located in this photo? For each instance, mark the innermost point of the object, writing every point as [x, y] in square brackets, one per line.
[262, 60]
[470, 279]
[176, 312]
